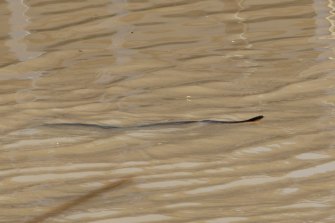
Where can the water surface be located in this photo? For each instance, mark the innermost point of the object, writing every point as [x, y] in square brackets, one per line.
[136, 62]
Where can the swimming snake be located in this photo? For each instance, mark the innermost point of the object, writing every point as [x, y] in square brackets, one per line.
[157, 124]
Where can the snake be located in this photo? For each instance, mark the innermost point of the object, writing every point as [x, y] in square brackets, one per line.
[157, 124]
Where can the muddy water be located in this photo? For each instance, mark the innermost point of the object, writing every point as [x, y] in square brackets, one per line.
[127, 63]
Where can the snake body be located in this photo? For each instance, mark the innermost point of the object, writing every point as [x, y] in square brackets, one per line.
[158, 124]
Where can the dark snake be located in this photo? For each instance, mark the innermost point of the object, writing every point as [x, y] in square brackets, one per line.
[158, 124]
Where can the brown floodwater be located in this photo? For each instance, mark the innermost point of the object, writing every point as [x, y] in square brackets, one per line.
[69, 68]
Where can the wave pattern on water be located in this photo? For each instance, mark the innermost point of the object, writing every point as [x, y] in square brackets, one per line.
[127, 63]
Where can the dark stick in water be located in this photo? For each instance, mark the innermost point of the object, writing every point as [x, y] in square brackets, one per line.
[157, 124]
[60, 209]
